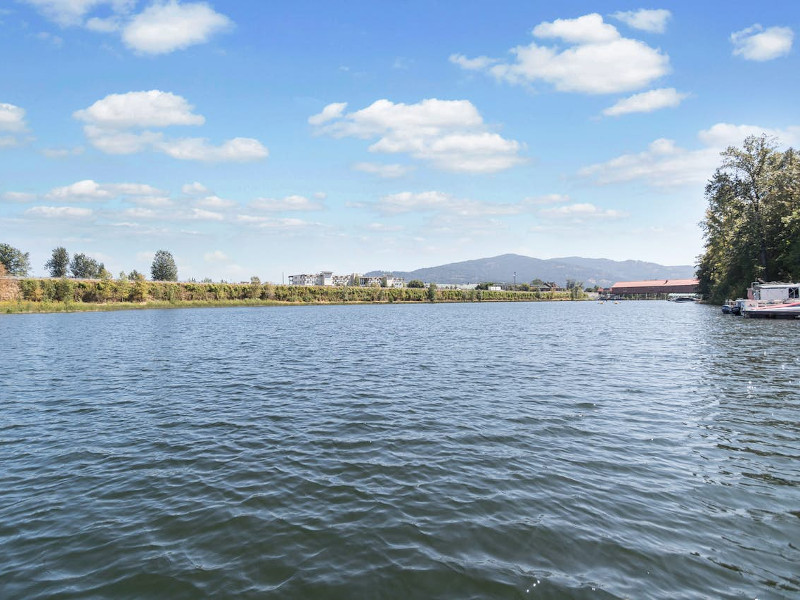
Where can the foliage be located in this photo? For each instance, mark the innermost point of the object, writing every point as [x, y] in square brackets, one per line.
[16, 262]
[752, 223]
[9, 288]
[163, 267]
[58, 263]
[432, 292]
[85, 267]
[415, 283]
[575, 289]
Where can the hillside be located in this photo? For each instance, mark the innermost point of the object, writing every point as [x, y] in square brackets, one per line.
[501, 269]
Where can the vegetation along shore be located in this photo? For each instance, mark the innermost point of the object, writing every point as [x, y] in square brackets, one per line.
[66, 295]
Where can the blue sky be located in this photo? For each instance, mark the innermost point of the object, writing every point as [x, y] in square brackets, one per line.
[253, 138]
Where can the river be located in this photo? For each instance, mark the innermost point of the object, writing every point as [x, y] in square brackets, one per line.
[514, 450]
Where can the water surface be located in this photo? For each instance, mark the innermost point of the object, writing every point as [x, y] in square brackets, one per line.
[542, 450]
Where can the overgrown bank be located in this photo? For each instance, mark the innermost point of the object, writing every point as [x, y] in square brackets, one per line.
[60, 295]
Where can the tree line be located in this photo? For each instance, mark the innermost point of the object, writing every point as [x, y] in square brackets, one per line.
[751, 227]
[82, 266]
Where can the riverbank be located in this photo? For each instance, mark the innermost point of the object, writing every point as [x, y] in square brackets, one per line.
[68, 295]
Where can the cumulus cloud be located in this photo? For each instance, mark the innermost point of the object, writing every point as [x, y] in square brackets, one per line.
[152, 108]
[759, 44]
[287, 204]
[168, 26]
[385, 171]
[162, 27]
[118, 124]
[665, 164]
[598, 59]
[89, 190]
[330, 112]
[448, 134]
[651, 21]
[194, 189]
[59, 212]
[12, 123]
[646, 102]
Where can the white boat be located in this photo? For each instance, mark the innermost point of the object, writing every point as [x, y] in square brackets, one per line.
[772, 301]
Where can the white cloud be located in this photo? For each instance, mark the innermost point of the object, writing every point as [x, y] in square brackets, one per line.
[168, 26]
[206, 215]
[757, 43]
[86, 190]
[598, 61]
[116, 125]
[163, 27]
[194, 189]
[152, 108]
[72, 12]
[386, 171]
[215, 202]
[60, 212]
[582, 211]
[330, 112]
[478, 63]
[449, 134]
[12, 121]
[588, 29]
[89, 190]
[140, 213]
[19, 196]
[664, 164]
[287, 204]
[235, 150]
[108, 25]
[270, 223]
[443, 204]
[646, 102]
[652, 21]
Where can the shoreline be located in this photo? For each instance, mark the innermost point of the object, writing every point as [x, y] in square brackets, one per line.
[26, 307]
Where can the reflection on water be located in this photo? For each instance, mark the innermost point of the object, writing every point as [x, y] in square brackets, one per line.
[551, 450]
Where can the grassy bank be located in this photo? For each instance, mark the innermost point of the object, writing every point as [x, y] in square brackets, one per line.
[67, 295]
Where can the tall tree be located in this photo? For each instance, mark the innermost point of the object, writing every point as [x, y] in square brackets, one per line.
[58, 263]
[15, 261]
[85, 267]
[163, 267]
[752, 224]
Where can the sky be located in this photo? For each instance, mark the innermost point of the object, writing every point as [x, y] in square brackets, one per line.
[253, 138]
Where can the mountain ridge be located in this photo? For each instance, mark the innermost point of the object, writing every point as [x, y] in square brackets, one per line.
[501, 269]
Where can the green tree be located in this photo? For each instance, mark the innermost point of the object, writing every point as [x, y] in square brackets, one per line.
[432, 292]
[415, 283]
[163, 267]
[16, 262]
[58, 264]
[85, 267]
[750, 228]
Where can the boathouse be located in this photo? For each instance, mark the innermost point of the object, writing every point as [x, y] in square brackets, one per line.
[655, 287]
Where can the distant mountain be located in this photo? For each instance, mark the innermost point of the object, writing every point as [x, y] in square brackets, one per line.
[501, 269]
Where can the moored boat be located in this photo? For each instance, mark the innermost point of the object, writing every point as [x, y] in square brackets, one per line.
[772, 301]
